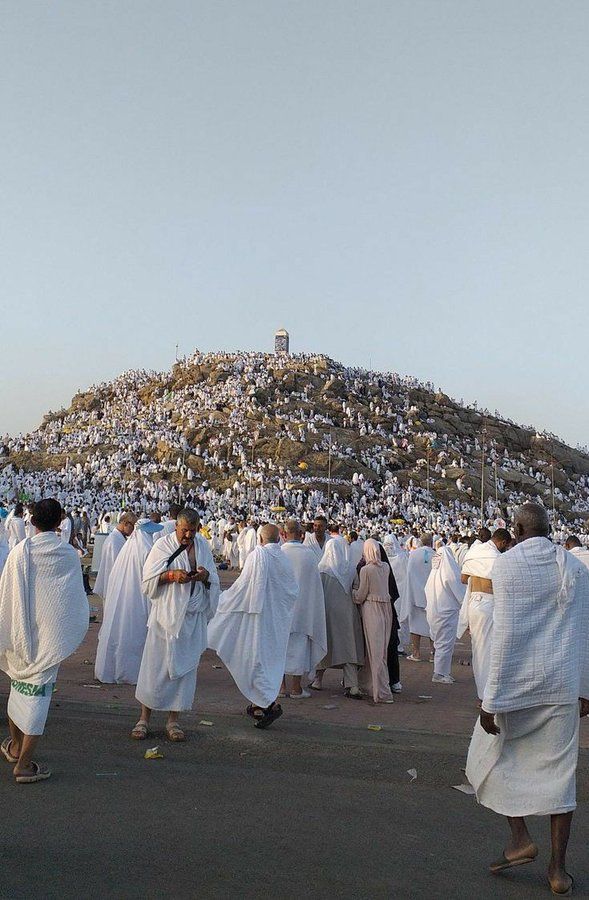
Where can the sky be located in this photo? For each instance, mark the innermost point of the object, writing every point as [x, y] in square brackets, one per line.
[402, 184]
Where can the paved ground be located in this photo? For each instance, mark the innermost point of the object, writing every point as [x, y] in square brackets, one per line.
[303, 809]
[318, 805]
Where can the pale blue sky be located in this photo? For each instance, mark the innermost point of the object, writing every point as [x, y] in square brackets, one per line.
[402, 184]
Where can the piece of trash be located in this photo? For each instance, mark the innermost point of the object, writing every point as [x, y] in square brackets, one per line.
[464, 788]
[87, 662]
[97, 687]
[105, 774]
[217, 667]
[330, 706]
[154, 753]
[425, 697]
[375, 728]
[413, 774]
[204, 722]
[243, 752]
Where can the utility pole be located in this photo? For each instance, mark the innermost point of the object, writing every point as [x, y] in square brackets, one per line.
[429, 450]
[553, 503]
[329, 477]
[483, 434]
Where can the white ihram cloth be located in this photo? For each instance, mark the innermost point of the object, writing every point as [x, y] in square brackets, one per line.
[345, 640]
[307, 643]
[580, 553]
[312, 542]
[43, 619]
[398, 560]
[176, 627]
[111, 548]
[335, 562]
[247, 540]
[477, 611]
[419, 566]
[168, 527]
[15, 531]
[230, 550]
[4, 551]
[444, 593]
[539, 669]
[355, 552]
[122, 635]
[251, 627]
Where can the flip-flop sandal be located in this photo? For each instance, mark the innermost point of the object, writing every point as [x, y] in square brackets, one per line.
[139, 732]
[503, 863]
[41, 774]
[568, 891]
[175, 734]
[5, 749]
[268, 716]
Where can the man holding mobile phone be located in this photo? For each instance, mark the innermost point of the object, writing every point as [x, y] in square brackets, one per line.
[181, 580]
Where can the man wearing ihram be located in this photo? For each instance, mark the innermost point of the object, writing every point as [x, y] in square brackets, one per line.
[523, 754]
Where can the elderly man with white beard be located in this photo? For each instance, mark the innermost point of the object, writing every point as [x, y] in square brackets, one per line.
[523, 754]
[307, 643]
[183, 599]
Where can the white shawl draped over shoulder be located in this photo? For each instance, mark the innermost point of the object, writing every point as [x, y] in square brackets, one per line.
[443, 590]
[309, 610]
[540, 644]
[251, 627]
[418, 568]
[44, 610]
[335, 562]
[170, 601]
[478, 561]
[110, 550]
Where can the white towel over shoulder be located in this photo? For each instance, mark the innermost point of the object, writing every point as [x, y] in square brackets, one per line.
[44, 610]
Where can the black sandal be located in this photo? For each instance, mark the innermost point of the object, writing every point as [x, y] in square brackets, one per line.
[265, 717]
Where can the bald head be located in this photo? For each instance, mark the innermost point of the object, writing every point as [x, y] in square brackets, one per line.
[292, 530]
[531, 520]
[127, 524]
[129, 517]
[269, 535]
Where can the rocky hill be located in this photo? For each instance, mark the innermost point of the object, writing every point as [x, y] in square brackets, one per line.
[300, 421]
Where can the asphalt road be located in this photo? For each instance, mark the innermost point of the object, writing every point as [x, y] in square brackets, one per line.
[302, 810]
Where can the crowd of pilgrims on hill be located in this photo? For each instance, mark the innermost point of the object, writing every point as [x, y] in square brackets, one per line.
[119, 433]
